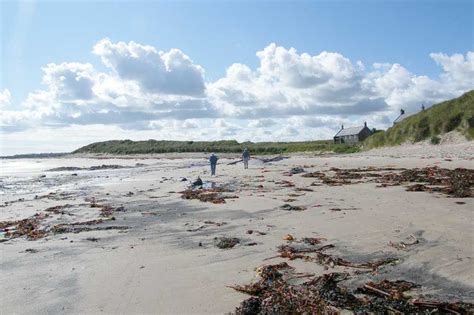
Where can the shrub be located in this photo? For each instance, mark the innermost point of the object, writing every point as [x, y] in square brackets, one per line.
[453, 122]
[423, 130]
[435, 140]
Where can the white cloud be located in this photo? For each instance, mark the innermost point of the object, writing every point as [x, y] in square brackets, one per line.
[155, 71]
[5, 98]
[288, 96]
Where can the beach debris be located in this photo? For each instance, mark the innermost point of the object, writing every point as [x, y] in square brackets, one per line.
[235, 162]
[251, 244]
[288, 237]
[206, 224]
[457, 182]
[197, 182]
[92, 239]
[256, 232]
[297, 170]
[305, 249]
[92, 168]
[274, 159]
[31, 250]
[303, 189]
[285, 183]
[184, 179]
[313, 240]
[57, 209]
[213, 195]
[129, 194]
[79, 227]
[289, 207]
[404, 245]
[225, 242]
[289, 200]
[29, 227]
[275, 291]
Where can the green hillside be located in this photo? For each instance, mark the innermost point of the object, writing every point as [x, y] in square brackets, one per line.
[456, 114]
[226, 146]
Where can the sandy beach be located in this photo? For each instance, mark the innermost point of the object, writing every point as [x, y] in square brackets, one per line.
[145, 249]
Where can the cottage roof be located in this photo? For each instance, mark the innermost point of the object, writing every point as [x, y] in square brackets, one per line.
[349, 131]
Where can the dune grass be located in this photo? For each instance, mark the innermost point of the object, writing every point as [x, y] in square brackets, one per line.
[456, 114]
[122, 147]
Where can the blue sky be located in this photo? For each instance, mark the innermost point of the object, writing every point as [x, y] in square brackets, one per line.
[217, 34]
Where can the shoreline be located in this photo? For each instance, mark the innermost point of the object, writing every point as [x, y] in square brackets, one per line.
[169, 250]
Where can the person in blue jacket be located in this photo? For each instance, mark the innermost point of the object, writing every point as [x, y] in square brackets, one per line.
[246, 158]
[213, 160]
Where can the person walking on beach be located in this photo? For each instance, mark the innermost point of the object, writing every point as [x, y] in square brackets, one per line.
[213, 160]
[246, 158]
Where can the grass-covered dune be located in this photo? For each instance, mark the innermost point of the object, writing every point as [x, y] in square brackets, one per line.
[225, 146]
[456, 114]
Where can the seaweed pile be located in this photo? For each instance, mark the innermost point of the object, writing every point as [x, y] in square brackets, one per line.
[212, 195]
[33, 228]
[457, 182]
[277, 293]
[309, 252]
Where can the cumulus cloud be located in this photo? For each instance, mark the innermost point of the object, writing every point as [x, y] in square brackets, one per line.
[288, 96]
[5, 97]
[170, 72]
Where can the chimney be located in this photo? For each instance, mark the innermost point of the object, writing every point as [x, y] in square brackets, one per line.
[365, 124]
[402, 111]
[342, 127]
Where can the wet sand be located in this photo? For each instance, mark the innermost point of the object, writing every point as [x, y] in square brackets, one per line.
[166, 261]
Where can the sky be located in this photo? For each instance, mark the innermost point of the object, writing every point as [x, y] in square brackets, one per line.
[76, 72]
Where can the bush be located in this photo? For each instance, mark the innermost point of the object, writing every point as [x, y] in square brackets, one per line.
[452, 123]
[423, 130]
[435, 140]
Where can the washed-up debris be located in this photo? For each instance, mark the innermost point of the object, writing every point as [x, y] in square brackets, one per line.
[404, 245]
[197, 182]
[285, 183]
[226, 242]
[82, 227]
[313, 240]
[289, 200]
[288, 237]
[387, 288]
[92, 168]
[206, 224]
[296, 170]
[308, 252]
[289, 207]
[213, 195]
[256, 232]
[92, 239]
[58, 209]
[275, 159]
[458, 182]
[303, 189]
[235, 162]
[29, 227]
[31, 250]
[251, 244]
[215, 223]
[276, 292]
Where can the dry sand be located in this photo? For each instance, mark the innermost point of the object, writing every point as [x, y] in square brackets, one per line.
[166, 261]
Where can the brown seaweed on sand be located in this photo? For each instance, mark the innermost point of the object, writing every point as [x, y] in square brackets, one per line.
[212, 195]
[277, 293]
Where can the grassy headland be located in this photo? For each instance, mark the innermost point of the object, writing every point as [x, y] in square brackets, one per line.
[456, 114]
[226, 146]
